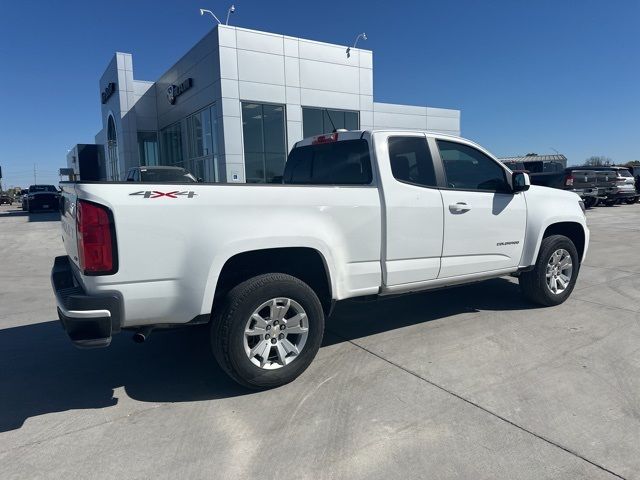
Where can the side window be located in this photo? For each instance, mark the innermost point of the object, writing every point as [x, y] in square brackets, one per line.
[469, 169]
[411, 161]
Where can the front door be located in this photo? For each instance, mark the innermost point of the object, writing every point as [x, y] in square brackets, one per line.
[484, 223]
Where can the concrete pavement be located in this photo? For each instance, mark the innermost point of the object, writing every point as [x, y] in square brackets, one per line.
[471, 382]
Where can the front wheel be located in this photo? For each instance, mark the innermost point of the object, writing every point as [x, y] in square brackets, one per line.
[554, 275]
[268, 330]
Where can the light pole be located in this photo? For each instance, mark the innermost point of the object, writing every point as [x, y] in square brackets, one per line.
[232, 9]
[362, 36]
[204, 10]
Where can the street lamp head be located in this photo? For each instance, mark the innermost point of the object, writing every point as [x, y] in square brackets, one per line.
[362, 36]
[232, 9]
[204, 10]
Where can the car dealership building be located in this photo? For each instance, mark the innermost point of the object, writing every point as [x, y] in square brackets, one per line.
[234, 105]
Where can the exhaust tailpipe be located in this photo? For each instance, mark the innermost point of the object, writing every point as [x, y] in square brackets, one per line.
[142, 334]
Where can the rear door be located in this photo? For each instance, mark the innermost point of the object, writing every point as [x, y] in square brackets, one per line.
[484, 223]
[412, 203]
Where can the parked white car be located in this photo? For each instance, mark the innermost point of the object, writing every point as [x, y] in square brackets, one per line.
[358, 214]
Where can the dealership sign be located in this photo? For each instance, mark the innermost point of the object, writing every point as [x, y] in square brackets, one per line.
[174, 91]
[107, 92]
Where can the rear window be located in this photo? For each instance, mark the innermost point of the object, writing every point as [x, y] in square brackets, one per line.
[166, 176]
[338, 163]
[42, 188]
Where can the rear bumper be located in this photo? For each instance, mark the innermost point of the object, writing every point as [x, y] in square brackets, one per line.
[623, 195]
[586, 192]
[44, 203]
[89, 320]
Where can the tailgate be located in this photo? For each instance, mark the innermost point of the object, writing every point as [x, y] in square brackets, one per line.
[606, 179]
[68, 221]
[584, 179]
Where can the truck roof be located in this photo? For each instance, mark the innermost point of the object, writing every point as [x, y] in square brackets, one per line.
[341, 135]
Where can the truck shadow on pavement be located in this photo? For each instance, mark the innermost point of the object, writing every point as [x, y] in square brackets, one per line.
[41, 372]
[353, 319]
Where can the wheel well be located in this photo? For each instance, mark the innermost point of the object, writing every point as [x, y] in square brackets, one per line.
[304, 263]
[571, 230]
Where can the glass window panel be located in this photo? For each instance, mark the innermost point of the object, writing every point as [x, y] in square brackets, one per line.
[252, 127]
[469, 169]
[312, 122]
[148, 148]
[274, 167]
[332, 120]
[351, 120]
[273, 118]
[411, 160]
[317, 121]
[207, 132]
[198, 138]
[254, 167]
[171, 144]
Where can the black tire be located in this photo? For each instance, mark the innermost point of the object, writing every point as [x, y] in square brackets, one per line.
[229, 322]
[590, 202]
[610, 203]
[534, 283]
[631, 201]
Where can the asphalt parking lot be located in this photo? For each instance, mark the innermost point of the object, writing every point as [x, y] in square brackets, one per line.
[470, 382]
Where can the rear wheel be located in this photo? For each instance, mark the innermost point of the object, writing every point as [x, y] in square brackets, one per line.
[554, 275]
[268, 330]
[590, 202]
[631, 201]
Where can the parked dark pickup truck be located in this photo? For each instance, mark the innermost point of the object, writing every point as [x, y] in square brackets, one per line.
[41, 197]
[573, 179]
[615, 185]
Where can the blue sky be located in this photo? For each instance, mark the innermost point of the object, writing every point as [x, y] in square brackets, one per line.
[528, 76]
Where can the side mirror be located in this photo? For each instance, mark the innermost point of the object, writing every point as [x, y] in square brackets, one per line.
[520, 182]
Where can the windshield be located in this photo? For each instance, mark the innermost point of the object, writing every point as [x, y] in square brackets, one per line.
[166, 176]
[625, 173]
[42, 188]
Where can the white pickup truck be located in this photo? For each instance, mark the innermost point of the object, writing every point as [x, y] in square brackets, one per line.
[357, 214]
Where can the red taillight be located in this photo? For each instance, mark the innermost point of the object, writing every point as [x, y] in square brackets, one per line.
[325, 139]
[95, 247]
[569, 181]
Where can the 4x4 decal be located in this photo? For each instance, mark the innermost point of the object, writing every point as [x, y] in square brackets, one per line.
[157, 194]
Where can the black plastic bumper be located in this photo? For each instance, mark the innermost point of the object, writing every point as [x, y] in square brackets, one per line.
[623, 195]
[89, 320]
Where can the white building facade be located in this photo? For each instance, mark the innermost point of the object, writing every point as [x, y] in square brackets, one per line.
[233, 106]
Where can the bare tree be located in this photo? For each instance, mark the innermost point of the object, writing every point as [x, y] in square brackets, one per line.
[598, 161]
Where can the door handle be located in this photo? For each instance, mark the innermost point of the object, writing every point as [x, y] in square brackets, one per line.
[459, 207]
